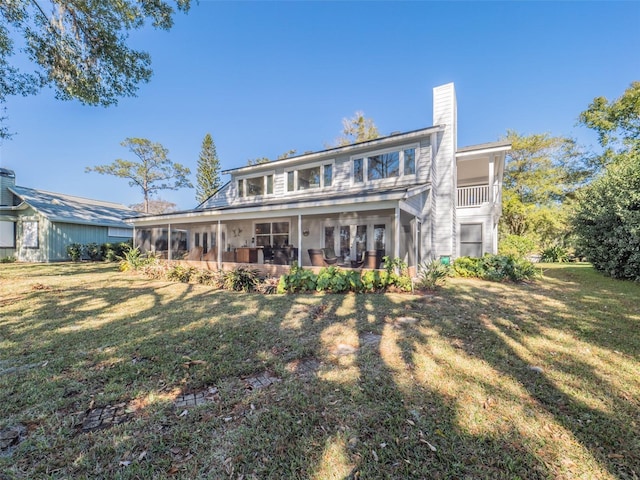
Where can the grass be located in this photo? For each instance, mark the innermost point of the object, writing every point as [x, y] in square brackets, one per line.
[396, 386]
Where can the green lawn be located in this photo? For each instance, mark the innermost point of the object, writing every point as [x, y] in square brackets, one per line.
[364, 386]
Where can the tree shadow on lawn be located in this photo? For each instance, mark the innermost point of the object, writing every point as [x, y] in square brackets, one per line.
[375, 412]
[364, 415]
[578, 388]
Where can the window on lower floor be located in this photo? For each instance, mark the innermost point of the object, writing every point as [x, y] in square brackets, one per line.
[7, 234]
[471, 240]
[274, 234]
[30, 234]
[120, 232]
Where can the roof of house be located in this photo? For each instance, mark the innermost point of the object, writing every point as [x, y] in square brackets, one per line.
[340, 149]
[59, 207]
[491, 146]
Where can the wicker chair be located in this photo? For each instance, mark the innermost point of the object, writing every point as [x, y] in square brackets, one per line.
[329, 256]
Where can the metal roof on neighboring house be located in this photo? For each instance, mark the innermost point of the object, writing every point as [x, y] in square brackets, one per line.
[59, 207]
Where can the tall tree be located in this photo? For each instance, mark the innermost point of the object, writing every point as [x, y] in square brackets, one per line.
[607, 219]
[154, 171]
[79, 47]
[542, 173]
[155, 206]
[208, 174]
[260, 160]
[617, 123]
[357, 129]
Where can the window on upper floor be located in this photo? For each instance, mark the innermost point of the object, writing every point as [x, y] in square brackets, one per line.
[255, 186]
[384, 164]
[314, 176]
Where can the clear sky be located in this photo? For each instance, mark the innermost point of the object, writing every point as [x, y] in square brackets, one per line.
[267, 77]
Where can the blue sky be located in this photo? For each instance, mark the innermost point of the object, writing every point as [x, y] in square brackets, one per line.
[267, 77]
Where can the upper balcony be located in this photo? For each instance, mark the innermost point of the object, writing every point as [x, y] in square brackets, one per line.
[474, 196]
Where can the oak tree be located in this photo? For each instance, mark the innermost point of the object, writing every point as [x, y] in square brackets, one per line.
[78, 47]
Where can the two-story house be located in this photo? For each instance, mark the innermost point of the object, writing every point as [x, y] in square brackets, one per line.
[411, 195]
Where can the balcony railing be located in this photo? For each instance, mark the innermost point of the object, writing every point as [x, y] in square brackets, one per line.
[473, 196]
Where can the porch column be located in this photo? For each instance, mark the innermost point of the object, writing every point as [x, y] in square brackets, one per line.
[491, 178]
[219, 244]
[169, 241]
[299, 240]
[396, 243]
[134, 237]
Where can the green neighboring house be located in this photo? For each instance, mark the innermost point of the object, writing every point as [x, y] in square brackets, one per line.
[37, 226]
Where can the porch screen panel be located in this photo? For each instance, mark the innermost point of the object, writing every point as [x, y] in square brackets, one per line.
[379, 237]
[471, 240]
[361, 240]
[329, 237]
[345, 241]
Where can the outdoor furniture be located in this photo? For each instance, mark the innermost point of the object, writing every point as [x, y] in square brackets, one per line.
[329, 256]
[284, 255]
[195, 254]
[358, 262]
[316, 256]
[373, 258]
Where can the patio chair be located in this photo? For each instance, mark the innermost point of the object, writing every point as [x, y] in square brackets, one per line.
[195, 254]
[316, 256]
[358, 262]
[329, 256]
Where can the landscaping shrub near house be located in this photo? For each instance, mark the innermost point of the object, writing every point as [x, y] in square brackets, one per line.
[180, 273]
[74, 251]
[7, 259]
[555, 254]
[242, 279]
[432, 275]
[112, 252]
[132, 259]
[496, 268]
[93, 251]
[298, 280]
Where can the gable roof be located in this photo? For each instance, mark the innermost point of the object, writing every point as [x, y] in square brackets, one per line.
[58, 207]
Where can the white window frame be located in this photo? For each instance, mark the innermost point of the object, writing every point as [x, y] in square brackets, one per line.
[482, 234]
[31, 238]
[7, 234]
[264, 176]
[295, 170]
[365, 164]
[120, 232]
[271, 222]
